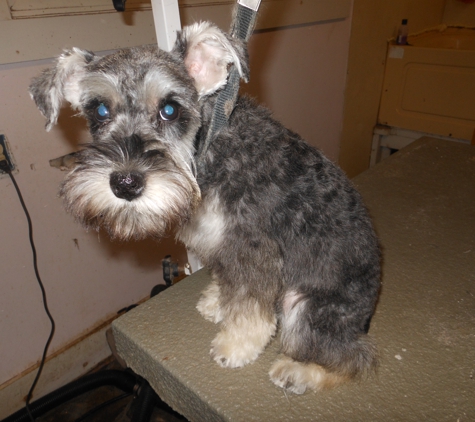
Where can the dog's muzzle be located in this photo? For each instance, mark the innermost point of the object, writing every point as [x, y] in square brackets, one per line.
[127, 186]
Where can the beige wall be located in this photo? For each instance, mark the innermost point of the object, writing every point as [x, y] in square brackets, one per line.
[298, 71]
[373, 23]
[459, 13]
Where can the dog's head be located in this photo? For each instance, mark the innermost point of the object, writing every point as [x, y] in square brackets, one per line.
[143, 107]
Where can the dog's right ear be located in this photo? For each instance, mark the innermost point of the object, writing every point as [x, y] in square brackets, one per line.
[59, 83]
[208, 54]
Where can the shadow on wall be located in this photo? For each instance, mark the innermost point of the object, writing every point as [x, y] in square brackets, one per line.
[73, 128]
[146, 254]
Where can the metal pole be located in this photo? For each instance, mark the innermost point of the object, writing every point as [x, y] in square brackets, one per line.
[166, 16]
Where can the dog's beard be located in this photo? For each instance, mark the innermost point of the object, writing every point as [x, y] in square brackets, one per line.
[169, 197]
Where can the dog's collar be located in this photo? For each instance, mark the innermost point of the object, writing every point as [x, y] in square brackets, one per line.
[242, 27]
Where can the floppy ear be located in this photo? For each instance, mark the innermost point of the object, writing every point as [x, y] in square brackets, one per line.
[52, 86]
[208, 54]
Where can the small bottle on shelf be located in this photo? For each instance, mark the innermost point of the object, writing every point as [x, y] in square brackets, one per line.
[402, 33]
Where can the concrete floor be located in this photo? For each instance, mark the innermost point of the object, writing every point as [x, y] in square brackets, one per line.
[423, 203]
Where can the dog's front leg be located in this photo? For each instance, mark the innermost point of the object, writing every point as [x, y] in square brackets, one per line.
[245, 332]
[208, 305]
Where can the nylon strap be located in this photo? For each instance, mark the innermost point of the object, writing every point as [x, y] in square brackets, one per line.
[243, 25]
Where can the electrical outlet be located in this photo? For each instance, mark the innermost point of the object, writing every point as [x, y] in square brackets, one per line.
[5, 153]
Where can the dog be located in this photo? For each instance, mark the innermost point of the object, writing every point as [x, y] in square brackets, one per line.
[285, 235]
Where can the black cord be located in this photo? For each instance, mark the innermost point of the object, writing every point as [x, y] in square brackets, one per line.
[43, 292]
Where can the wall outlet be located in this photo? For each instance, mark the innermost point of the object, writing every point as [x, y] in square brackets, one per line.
[5, 153]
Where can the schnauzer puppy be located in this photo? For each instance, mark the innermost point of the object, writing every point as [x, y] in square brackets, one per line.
[285, 235]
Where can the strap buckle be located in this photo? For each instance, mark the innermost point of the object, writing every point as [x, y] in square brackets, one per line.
[250, 4]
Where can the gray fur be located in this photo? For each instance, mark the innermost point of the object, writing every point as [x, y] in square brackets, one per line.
[282, 230]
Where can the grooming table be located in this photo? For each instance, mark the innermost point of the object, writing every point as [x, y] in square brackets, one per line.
[422, 200]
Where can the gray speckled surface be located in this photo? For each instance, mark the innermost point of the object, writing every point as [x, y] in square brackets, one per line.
[423, 203]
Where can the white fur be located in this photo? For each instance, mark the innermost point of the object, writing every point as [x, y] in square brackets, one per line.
[205, 231]
[293, 307]
[165, 196]
[242, 338]
[73, 70]
[296, 377]
[208, 305]
[208, 57]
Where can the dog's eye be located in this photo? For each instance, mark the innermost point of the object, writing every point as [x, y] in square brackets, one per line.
[101, 113]
[169, 112]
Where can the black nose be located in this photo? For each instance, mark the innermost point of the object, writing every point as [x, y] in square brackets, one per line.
[127, 186]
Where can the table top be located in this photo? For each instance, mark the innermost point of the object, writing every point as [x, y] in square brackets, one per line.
[422, 200]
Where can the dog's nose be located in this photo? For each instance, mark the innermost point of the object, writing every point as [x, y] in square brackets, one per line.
[127, 186]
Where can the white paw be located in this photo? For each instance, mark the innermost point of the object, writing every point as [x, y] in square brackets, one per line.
[285, 374]
[208, 305]
[230, 352]
[242, 341]
[296, 377]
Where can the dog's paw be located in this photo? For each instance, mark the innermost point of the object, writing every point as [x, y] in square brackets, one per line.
[285, 373]
[231, 351]
[242, 340]
[296, 377]
[208, 305]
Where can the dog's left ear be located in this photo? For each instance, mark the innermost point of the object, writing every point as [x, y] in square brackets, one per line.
[59, 83]
[208, 54]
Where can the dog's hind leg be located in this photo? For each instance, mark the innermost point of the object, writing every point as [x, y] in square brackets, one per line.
[322, 344]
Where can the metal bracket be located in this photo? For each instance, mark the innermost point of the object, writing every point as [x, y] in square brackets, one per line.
[119, 5]
[250, 4]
